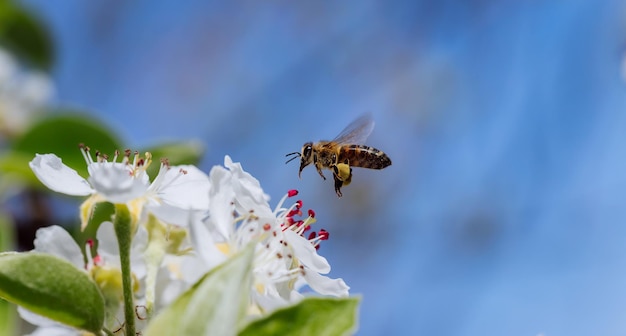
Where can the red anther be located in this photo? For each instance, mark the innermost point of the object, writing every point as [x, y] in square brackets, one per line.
[292, 193]
[298, 204]
[294, 212]
[299, 223]
[323, 234]
[317, 247]
[267, 226]
[290, 220]
[307, 228]
[140, 162]
[127, 152]
[312, 235]
[97, 260]
[90, 243]
[311, 213]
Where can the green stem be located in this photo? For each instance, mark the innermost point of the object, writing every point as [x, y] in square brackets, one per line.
[123, 231]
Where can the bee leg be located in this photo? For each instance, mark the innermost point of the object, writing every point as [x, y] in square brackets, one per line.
[319, 170]
[338, 185]
[342, 173]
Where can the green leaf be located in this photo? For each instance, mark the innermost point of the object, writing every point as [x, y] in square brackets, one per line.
[60, 135]
[51, 287]
[215, 305]
[7, 233]
[14, 167]
[312, 316]
[177, 153]
[23, 34]
[8, 313]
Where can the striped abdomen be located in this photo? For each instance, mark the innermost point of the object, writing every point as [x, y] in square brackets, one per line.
[363, 156]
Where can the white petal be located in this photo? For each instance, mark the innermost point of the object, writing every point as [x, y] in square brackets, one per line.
[57, 330]
[58, 242]
[192, 268]
[51, 171]
[204, 244]
[306, 253]
[35, 319]
[169, 289]
[189, 191]
[221, 197]
[248, 189]
[172, 215]
[295, 296]
[268, 302]
[138, 247]
[115, 183]
[46, 326]
[325, 285]
[107, 241]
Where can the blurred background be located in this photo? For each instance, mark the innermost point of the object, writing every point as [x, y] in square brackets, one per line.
[504, 212]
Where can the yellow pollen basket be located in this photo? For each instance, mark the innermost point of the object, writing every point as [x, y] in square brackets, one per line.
[344, 173]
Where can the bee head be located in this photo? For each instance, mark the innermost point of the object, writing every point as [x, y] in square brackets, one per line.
[306, 156]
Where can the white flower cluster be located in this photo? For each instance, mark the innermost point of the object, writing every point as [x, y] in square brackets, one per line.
[186, 223]
[22, 94]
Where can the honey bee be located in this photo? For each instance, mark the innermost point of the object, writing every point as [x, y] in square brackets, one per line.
[343, 153]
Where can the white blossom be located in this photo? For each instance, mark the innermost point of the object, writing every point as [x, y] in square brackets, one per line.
[175, 191]
[285, 260]
[23, 94]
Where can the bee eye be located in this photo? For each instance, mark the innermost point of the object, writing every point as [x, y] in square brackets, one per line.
[307, 151]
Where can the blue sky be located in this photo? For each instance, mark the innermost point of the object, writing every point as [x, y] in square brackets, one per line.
[504, 210]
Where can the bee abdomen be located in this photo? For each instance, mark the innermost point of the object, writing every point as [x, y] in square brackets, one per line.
[364, 157]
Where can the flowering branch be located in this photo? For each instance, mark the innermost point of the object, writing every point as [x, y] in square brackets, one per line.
[186, 254]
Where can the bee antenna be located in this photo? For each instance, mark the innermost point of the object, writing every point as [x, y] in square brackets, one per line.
[295, 154]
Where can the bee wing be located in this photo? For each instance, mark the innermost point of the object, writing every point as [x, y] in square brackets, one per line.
[357, 131]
